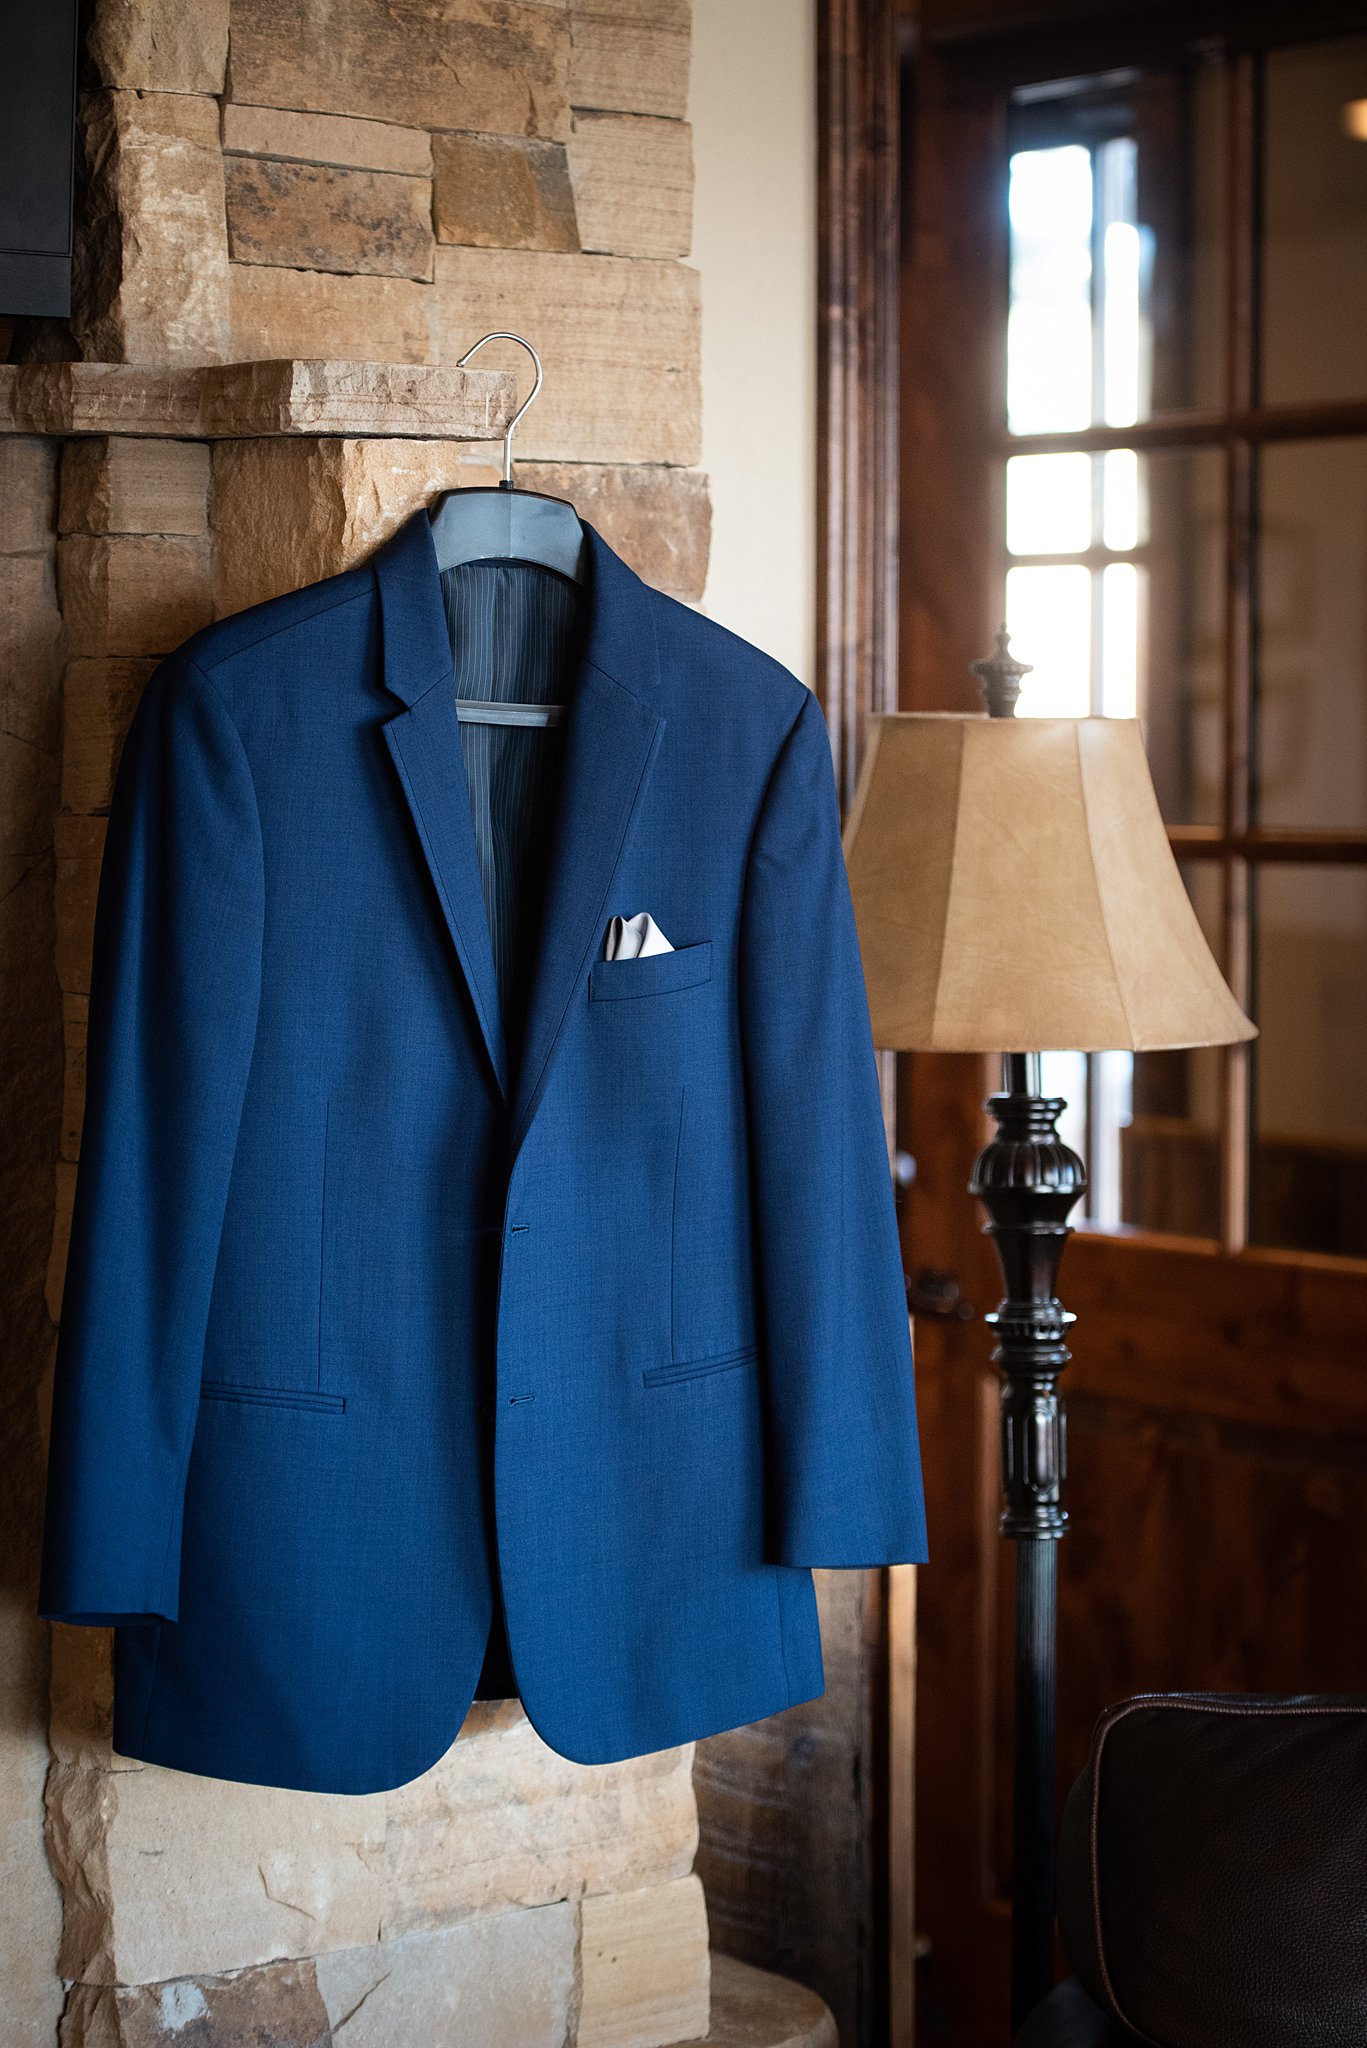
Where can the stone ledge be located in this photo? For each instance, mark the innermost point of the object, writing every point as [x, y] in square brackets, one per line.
[753, 2009]
[241, 401]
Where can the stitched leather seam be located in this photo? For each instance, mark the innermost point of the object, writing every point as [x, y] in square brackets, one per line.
[1165, 1703]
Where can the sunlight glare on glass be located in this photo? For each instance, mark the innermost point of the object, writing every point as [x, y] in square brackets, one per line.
[1049, 331]
[1119, 640]
[1048, 504]
[1049, 618]
[1123, 518]
[1120, 256]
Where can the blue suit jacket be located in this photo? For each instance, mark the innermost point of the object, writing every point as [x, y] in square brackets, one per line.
[362, 1327]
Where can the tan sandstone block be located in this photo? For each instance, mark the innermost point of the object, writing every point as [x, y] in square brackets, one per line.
[30, 1923]
[150, 279]
[392, 401]
[633, 184]
[195, 1877]
[100, 695]
[494, 192]
[619, 338]
[316, 313]
[631, 56]
[658, 520]
[78, 848]
[28, 494]
[644, 1967]
[75, 1022]
[132, 593]
[279, 2004]
[82, 1699]
[100, 398]
[30, 648]
[287, 513]
[160, 45]
[494, 66]
[326, 139]
[504, 1981]
[459, 1844]
[321, 217]
[121, 484]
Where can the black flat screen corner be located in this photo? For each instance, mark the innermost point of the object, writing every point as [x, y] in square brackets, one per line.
[37, 135]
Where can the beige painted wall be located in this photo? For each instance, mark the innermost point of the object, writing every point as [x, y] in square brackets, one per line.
[753, 108]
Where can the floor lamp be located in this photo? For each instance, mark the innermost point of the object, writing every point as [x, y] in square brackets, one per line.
[1015, 891]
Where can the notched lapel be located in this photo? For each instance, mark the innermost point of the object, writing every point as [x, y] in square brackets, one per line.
[612, 735]
[425, 744]
[611, 742]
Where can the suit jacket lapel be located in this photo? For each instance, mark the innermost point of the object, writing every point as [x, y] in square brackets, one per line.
[613, 732]
[424, 741]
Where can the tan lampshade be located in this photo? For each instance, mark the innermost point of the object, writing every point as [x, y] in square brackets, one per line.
[1015, 892]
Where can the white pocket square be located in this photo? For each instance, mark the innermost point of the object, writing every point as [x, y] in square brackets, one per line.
[632, 938]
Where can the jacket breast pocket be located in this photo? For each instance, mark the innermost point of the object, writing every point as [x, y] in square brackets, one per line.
[657, 975]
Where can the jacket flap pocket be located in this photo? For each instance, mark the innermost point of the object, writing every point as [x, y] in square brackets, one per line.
[698, 1368]
[655, 975]
[273, 1397]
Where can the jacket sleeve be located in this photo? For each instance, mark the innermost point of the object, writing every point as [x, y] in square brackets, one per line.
[843, 1459]
[173, 1004]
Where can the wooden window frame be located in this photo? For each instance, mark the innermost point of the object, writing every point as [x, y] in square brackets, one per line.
[1239, 429]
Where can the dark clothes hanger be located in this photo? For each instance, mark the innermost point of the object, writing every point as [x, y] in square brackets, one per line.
[504, 524]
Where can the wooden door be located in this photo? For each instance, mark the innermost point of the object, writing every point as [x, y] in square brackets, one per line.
[1135, 423]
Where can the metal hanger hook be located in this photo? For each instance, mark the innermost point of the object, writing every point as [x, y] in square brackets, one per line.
[502, 334]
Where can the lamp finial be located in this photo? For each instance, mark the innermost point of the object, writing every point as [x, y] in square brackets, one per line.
[999, 677]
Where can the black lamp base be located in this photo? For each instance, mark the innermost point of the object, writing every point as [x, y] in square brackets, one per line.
[1029, 1181]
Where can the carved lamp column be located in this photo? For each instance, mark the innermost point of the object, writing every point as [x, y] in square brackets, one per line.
[1015, 892]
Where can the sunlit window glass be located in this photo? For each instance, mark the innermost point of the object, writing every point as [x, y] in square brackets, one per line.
[1049, 336]
[1051, 608]
[1124, 514]
[1120, 640]
[1048, 504]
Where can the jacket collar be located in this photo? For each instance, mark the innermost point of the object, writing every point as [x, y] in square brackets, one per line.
[612, 736]
[620, 641]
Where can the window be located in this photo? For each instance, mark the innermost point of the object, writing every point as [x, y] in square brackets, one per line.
[1184, 519]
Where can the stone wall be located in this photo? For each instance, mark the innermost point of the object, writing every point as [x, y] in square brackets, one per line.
[330, 182]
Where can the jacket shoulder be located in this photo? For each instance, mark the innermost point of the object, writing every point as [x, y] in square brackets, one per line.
[298, 610]
[707, 669]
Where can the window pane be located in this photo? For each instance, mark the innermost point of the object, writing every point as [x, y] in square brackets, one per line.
[1124, 502]
[1049, 618]
[1048, 504]
[1312, 636]
[1181, 122]
[1121, 649]
[1315, 223]
[1310, 1154]
[1182, 633]
[1049, 341]
[1118, 273]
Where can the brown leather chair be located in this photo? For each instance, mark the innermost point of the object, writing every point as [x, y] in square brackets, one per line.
[1212, 1878]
